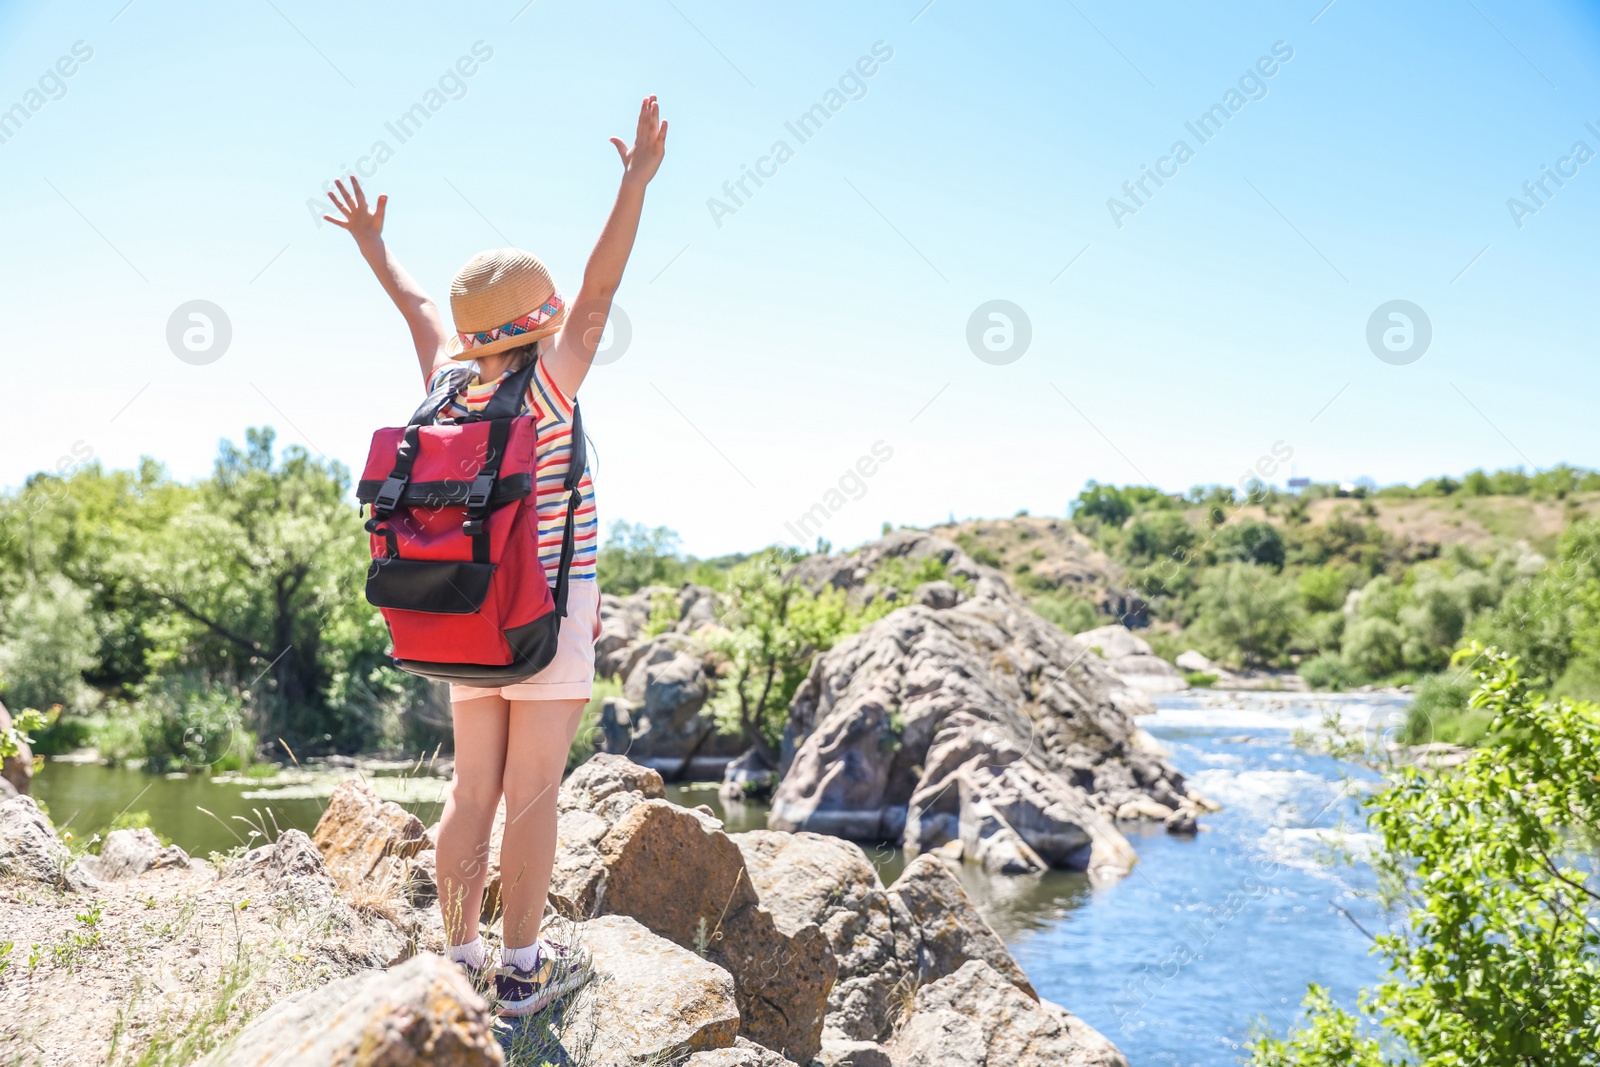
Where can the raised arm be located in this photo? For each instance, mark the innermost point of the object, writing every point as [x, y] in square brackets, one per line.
[573, 352]
[365, 224]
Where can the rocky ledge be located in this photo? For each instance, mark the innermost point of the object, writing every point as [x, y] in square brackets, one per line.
[962, 721]
[711, 949]
[967, 723]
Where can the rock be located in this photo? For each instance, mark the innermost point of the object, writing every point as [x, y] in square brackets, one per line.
[809, 878]
[623, 620]
[949, 932]
[130, 853]
[604, 775]
[844, 1053]
[290, 874]
[421, 1013]
[649, 1002]
[975, 1018]
[363, 838]
[29, 847]
[7, 790]
[16, 771]
[291, 863]
[1143, 808]
[1182, 822]
[422, 879]
[748, 778]
[1008, 811]
[742, 1053]
[679, 874]
[661, 720]
[1191, 660]
[937, 595]
[1131, 659]
[857, 744]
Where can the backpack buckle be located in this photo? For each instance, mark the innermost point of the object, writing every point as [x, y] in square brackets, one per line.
[482, 486]
[472, 527]
[389, 496]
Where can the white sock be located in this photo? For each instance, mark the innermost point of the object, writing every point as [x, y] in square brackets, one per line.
[523, 959]
[474, 953]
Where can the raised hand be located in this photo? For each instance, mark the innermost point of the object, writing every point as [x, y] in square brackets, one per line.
[363, 222]
[649, 143]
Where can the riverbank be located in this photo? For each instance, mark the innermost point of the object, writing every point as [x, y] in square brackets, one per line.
[1162, 962]
[761, 947]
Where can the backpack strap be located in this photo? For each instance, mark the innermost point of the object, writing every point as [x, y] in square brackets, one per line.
[454, 380]
[579, 459]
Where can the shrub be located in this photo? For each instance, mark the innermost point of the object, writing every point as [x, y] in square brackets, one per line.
[1492, 939]
[1249, 610]
[49, 643]
[1440, 711]
[1330, 673]
[188, 722]
[1372, 646]
[1073, 614]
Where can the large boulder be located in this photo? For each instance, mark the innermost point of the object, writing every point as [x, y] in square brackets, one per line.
[861, 726]
[678, 873]
[650, 1001]
[624, 620]
[16, 771]
[946, 930]
[1010, 814]
[421, 1013]
[975, 1018]
[742, 1053]
[289, 874]
[888, 941]
[806, 879]
[363, 838]
[661, 719]
[29, 847]
[130, 853]
[1131, 659]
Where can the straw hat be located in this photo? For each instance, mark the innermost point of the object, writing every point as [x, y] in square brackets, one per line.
[503, 298]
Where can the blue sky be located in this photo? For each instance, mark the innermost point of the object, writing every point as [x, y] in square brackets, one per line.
[775, 345]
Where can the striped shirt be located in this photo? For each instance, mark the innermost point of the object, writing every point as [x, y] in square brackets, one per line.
[553, 449]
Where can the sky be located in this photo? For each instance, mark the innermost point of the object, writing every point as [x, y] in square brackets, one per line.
[839, 316]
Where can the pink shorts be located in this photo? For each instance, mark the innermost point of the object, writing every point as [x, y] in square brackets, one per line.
[570, 676]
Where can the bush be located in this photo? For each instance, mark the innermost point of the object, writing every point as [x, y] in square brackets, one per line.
[1492, 931]
[1251, 542]
[1323, 588]
[1372, 647]
[49, 643]
[635, 556]
[187, 722]
[1328, 672]
[1072, 614]
[1249, 610]
[1439, 711]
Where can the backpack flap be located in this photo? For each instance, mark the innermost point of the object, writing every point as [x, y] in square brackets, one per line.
[438, 587]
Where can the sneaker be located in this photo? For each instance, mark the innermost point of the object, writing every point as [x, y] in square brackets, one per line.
[482, 979]
[561, 970]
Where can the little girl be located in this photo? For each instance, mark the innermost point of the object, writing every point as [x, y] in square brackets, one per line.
[512, 741]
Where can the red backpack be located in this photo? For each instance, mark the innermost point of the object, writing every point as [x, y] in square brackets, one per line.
[455, 539]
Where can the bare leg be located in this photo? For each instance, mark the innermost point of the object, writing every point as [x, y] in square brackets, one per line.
[469, 807]
[539, 735]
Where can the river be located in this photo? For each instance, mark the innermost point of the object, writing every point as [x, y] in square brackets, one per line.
[1175, 962]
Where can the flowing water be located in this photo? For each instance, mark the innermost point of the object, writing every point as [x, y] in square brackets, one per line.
[1175, 963]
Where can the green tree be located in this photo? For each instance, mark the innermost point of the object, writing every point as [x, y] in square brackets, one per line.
[1249, 610]
[1493, 955]
[49, 642]
[635, 556]
[772, 630]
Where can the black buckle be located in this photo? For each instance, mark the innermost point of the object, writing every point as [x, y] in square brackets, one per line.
[389, 496]
[472, 527]
[482, 486]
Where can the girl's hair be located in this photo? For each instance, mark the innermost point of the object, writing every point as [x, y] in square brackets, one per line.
[518, 358]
